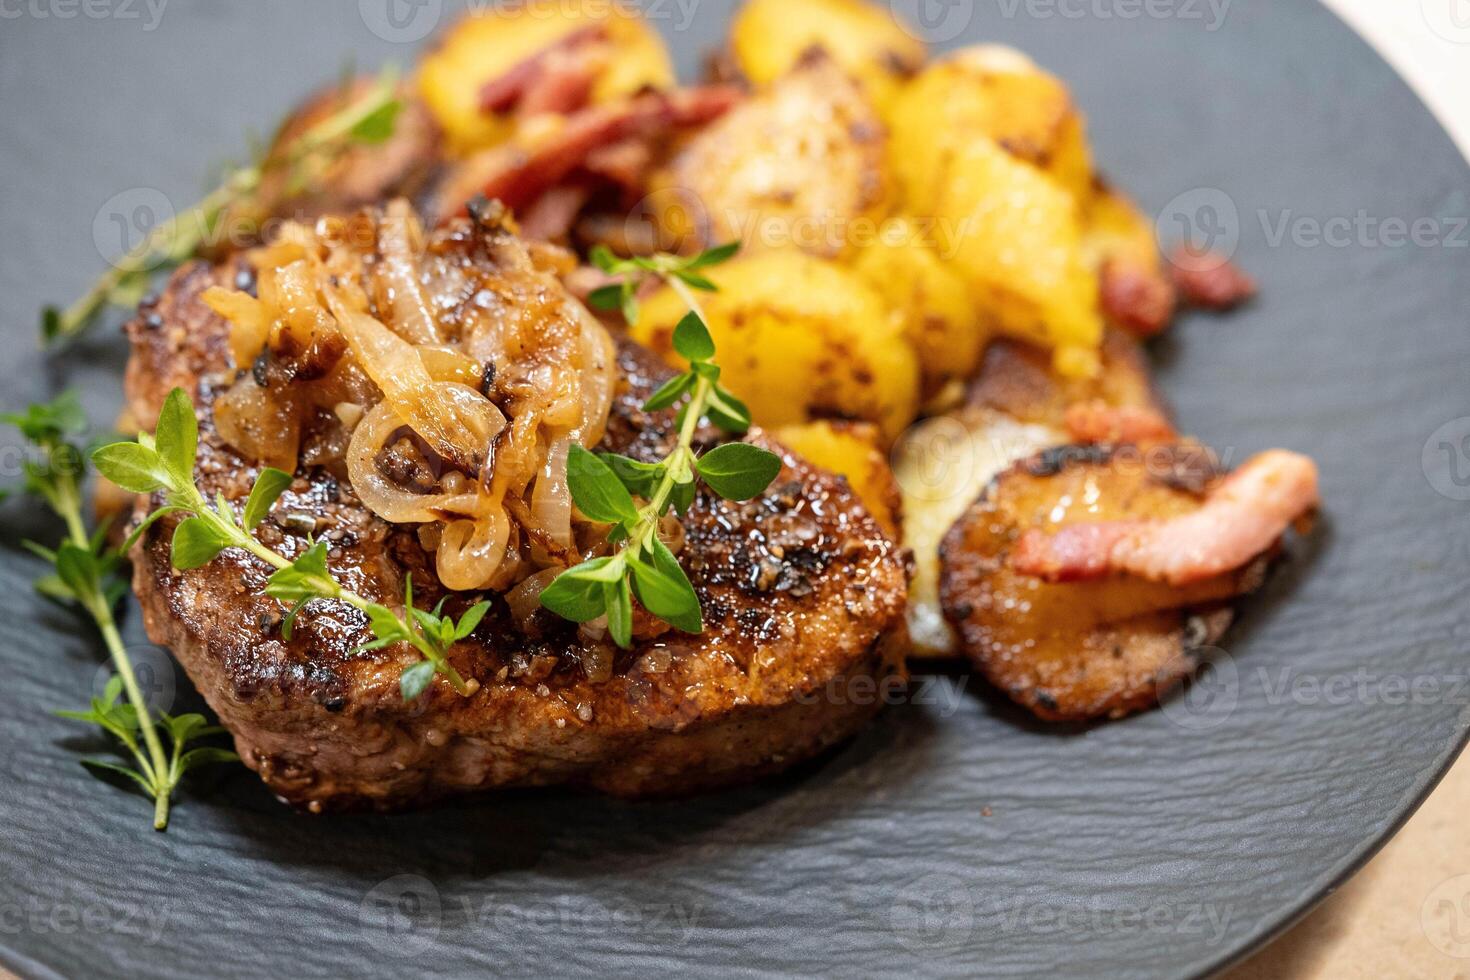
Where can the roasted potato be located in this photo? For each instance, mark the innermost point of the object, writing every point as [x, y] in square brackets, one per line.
[769, 37]
[1080, 650]
[801, 165]
[800, 338]
[998, 93]
[1017, 243]
[490, 42]
[991, 150]
[946, 331]
[1015, 406]
[850, 449]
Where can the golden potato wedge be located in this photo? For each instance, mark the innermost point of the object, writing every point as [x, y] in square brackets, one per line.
[946, 331]
[1016, 240]
[994, 92]
[799, 338]
[850, 449]
[1016, 406]
[1079, 650]
[800, 165]
[486, 44]
[769, 37]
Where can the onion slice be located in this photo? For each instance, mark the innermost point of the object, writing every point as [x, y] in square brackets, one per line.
[397, 276]
[454, 419]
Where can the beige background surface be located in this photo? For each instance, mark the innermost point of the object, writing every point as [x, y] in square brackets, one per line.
[1407, 914]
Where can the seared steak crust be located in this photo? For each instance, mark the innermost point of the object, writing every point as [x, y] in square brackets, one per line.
[800, 588]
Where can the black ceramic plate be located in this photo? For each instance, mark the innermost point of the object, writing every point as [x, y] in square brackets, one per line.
[953, 837]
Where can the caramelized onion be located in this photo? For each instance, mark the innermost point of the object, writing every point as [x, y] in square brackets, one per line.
[379, 494]
[447, 364]
[455, 419]
[261, 423]
[397, 276]
[471, 551]
[377, 333]
[551, 501]
[525, 599]
[302, 322]
[250, 322]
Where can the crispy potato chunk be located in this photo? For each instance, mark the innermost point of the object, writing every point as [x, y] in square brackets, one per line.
[489, 43]
[1081, 650]
[944, 328]
[799, 338]
[850, 450]
[769, 37]
[1015, 237]
[800, 165]
[993, 151]
[997, 93]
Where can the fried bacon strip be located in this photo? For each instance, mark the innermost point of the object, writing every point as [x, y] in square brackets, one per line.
[520, 175]
[1239, 520]
[558, 78]
[1210, 281]
[1097, 421]
[1139, 302]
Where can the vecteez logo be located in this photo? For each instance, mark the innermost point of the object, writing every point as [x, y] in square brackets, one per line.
[401, 21]
[1449, 19]
[401, 916]
[933, 21]
[147, 13]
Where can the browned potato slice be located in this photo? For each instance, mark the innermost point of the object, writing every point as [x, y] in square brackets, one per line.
[800, 165]
[1080, 650]
[1017, 405]
[942, 464]
[1017, 378]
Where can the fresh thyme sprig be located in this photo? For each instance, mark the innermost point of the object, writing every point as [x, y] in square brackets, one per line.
[368, 119]
[165, 461]
[85, 573]
[604, 486]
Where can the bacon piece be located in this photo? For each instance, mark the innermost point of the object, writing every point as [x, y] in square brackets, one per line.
[1239, 520]
[1139, 301]
[625, 163]
[1210, 281]
[550, 218]
[550, 77]
[521, 175]
[1097, 421]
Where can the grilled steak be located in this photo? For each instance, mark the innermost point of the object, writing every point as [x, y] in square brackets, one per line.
[800, 590]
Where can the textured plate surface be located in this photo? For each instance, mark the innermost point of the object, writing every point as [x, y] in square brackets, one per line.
[953, 837]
